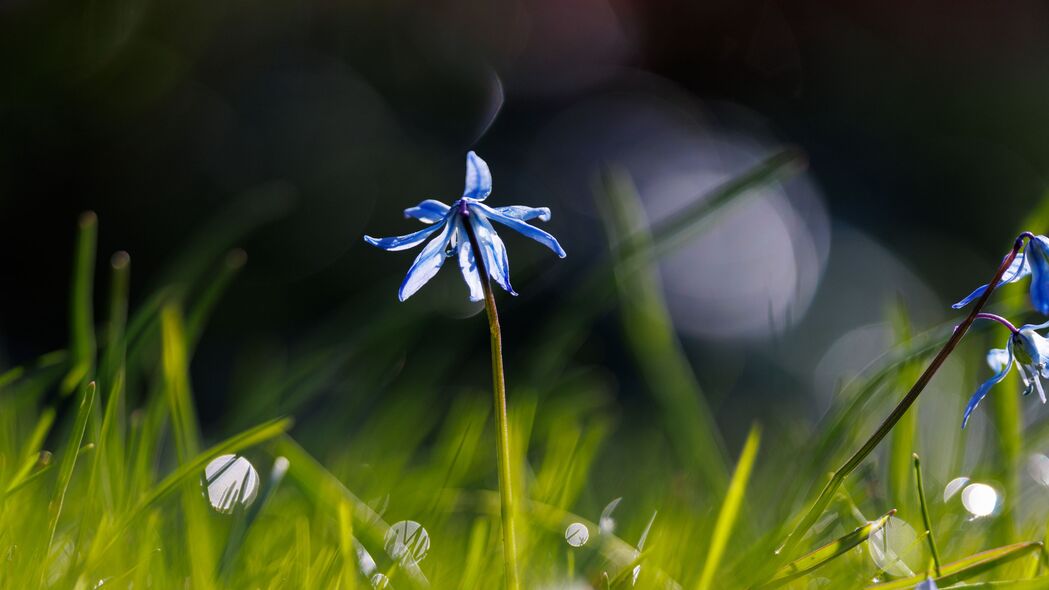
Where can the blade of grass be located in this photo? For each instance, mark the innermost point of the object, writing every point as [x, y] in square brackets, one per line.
[107, 465]
[346, 547]
[187, 469]
[920, 484]
[730, 508]
[592, 296]
[823, 555]
[68, 463]
[649, 332]
[905, 434]
[968, 567]
[81, 303]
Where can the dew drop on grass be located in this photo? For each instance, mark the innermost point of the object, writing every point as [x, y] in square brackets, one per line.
[895, 548]
[577, 534]
[1038, 467]
[606, 524]
[231, 481]
[407, 541]
[641, 547]
[953, 487]
[980, 499]
[380, 581]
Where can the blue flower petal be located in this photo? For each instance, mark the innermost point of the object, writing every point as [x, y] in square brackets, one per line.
[987, 385]
[1016, 271]
[1038, 261]
[467, 263]
[478, 178]
[494, 251]
[429, 211]
[521, 227]
[525, 213]
[403, 242]
[427, 263]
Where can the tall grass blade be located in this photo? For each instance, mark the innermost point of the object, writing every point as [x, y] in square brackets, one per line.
[825, 554]
[730, 508]
[968, 567]
[81, 304]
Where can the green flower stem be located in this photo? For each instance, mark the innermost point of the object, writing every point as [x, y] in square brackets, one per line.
[925, 514]
[786, 550]
[502, 426]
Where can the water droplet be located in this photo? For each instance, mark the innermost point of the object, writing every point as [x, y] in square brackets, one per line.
[1038, 467]
[407, 540]
[640, 547]
[980, 499]
[577, 534]
[380, 581]
[895, 548]
[231, 480]
[606, 524]
[953, 487]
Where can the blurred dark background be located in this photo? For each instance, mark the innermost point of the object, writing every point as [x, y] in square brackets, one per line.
[316, 122]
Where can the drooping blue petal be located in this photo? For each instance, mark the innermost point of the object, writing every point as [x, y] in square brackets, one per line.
[521, 227]
[429, 211]
[1018, 269]
[987, 385]
[478, 178]
[467, 263]
[1038, 260]
[494, 251]
[397, 243]
[426, 264]
[525, 213]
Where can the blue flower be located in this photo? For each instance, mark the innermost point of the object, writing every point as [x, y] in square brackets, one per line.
[1034, 261]
[1026, 349]
[453, 226]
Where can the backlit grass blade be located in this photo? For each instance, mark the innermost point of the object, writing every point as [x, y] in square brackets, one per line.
[193, 468]
[346, 548]
[200, 551]
[32, 448]
[905, 435]
[592, 295]
[823, 555]
[968, 567]
[730, 508]
[649, 332]
[108, 463]
[327, 491]
[68, 462]
[81, 304]
[1040, 583]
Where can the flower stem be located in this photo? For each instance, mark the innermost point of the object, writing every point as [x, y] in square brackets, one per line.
[997, 318]
[786, 550]
[502, 426]
[925, 515]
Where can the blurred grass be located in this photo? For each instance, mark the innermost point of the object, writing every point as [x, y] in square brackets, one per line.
[105, 488]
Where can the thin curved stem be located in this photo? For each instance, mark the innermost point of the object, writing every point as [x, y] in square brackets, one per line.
[997, 318]
[502, 426]
[838, 477]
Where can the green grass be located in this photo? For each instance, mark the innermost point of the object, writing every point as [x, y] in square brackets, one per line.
[367, 422]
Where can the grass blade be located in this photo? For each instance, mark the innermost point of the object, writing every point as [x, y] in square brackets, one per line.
[969, 566]
[81, 305]
[69, 457]
[823, 555]
[730, 508]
